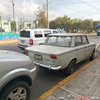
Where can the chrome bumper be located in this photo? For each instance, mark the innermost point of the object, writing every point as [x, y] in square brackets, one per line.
[49, 67]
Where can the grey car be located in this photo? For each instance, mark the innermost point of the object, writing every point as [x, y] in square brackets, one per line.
[16, 75]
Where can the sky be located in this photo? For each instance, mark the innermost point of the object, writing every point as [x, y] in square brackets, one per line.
[81, 9]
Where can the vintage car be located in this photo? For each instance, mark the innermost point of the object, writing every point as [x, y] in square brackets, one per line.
[16, 75]
[62, 51]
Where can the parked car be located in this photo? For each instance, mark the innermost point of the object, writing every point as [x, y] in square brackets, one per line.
[30, 37]
[62, 51]
[16, 75]
[98, 33]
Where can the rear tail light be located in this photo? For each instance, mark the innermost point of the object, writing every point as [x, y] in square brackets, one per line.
[31, 41]
[26, 52]
[53, 56]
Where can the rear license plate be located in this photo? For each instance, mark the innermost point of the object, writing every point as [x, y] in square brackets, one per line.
[39, 57]
[22, 41]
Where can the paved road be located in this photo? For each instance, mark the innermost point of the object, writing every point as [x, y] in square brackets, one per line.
[45, 78]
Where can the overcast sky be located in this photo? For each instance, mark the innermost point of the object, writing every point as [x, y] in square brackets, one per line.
[81, 9]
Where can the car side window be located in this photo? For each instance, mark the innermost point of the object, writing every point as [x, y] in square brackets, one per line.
[51, 40]
[78, 41]
[46, 33]
[38, 34]
[55, 32]
[68, 41]
[85, 40]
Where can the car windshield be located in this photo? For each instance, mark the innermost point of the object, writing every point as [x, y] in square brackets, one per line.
[63, 41]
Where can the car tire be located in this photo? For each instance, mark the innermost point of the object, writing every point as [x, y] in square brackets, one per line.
[92, 55]
[70, 68]
[16, 91]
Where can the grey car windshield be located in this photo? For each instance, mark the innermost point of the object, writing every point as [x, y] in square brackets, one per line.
[64, 41]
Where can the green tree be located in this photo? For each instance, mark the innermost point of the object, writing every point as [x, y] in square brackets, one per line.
[95, 23]
[76, 25]
[73, 25]
[13, 25]
[61, 22]
[87, 25]
[52, 25]
[42, 20]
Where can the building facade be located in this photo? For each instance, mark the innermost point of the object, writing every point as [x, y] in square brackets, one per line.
[5, 25]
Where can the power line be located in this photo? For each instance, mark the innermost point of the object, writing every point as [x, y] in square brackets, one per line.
[76, 10]
[72, 2]
[72, 9]
[91, 5]
[50, 1]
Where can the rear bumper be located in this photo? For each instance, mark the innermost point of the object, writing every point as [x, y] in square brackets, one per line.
[49, 67]
[21, 46]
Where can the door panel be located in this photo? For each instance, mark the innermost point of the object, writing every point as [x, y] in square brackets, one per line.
[80, 51]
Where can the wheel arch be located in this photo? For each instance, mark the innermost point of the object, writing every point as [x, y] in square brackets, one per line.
[70, 68]
[70, 61]
[24, 78]
[93, 51]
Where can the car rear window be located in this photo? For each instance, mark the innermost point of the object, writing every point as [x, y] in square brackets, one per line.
[64, 41]
[25, 34]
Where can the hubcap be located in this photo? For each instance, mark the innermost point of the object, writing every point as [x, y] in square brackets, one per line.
[18, 93]
[73, 68]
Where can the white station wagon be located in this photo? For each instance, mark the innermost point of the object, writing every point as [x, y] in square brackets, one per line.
[30, 37]
[62, 51]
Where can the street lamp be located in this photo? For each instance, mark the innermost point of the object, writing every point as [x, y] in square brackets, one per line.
[13, 10]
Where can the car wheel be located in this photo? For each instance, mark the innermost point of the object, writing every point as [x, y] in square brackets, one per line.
[92, 55]
[70, 68]
[16, 91]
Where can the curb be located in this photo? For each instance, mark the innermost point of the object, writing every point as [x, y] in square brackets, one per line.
[66, 80]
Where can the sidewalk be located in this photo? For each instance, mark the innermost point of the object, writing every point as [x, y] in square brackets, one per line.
[84, 84]
[8, 41]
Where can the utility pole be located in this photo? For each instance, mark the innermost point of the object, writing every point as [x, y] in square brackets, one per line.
[47, 16]
[23, 22]
[13, 10]
[1, 24]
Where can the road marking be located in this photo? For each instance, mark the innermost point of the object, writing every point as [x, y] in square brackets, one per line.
[66, 80]
[9, 41]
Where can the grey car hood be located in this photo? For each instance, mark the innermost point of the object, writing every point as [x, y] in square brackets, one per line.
[13, 60]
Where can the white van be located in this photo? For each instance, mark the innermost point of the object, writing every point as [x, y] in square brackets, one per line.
[30, 37]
